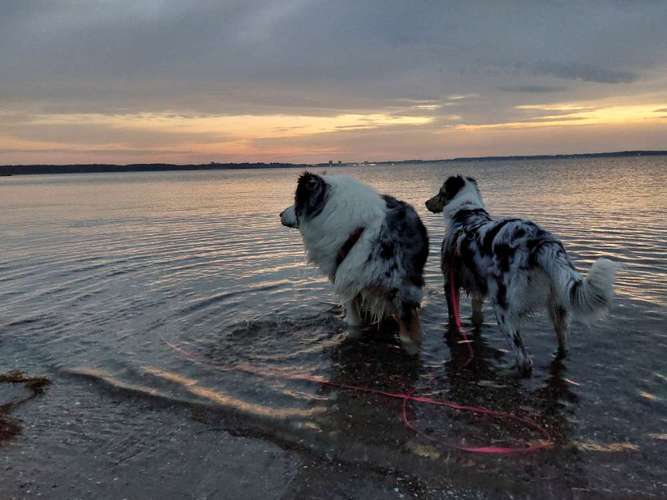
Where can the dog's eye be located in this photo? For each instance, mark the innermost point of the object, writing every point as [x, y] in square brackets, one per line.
[311, 184]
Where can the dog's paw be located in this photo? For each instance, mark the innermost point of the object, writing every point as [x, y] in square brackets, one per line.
[410, 346]
[477, 319]
[354, 331]
[525, 367]
[353, 322]
[561, 353]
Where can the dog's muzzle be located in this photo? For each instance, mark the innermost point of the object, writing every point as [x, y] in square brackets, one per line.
[288, 217]
[434, 204]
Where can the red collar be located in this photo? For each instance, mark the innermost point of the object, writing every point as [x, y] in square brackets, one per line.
[347, 246]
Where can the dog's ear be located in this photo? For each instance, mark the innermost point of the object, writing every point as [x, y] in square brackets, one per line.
[311, 195]
[453, 185]
[309, 181]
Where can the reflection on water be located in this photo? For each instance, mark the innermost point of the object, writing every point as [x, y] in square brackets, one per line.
[184, 290]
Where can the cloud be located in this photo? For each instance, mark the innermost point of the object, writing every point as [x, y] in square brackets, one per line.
[585, 72]
[533, 89]
[313, 53]
[568, 107]
[183, 135]
[576, 115]
[232, 126]
[399, 61]
[461, 97]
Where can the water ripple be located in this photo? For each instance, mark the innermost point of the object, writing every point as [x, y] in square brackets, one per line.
[106, 274]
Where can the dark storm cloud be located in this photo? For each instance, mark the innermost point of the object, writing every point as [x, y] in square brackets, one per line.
[420, 71]
[236, 56]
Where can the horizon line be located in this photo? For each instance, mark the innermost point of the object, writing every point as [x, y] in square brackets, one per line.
[639, 152]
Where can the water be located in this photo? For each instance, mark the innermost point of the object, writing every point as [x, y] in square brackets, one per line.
[150, 300]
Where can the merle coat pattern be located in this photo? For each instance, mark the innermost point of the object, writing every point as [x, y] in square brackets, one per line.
[519, 266]
[372, 247]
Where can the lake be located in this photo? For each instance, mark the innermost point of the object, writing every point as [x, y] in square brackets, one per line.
[179, 325]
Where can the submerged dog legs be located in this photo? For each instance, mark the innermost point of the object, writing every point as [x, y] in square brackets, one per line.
[561, 321]
[477, 315]
[410, 328]
[353, 313]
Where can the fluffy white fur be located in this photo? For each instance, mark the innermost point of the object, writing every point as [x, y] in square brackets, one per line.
[350, 205]
[370, 286]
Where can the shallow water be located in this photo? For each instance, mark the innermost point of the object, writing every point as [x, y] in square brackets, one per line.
[172, 312]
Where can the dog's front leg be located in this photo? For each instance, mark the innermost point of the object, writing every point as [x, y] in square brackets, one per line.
[450, 287]
[409, 326]
[477, 314]
[451, 293]
[353, 313]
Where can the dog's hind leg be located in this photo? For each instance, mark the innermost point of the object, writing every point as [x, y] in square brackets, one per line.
[477, 314]
[509, 325]
[560, 318]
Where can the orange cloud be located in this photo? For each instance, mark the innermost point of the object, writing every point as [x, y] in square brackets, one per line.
[239, 126]
[576, 115]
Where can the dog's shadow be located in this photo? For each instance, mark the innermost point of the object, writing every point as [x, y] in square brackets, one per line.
[477, 374]
[370, 359]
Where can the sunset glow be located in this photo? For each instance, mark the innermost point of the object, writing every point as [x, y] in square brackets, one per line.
[236, 127]
[578, 115]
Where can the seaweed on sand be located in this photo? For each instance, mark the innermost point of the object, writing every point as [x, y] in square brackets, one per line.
[36, 385]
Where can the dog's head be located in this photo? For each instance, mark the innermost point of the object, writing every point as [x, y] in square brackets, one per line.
[453, 187]
[309, 200]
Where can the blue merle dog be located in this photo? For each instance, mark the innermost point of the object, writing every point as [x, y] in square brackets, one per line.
[519, 266]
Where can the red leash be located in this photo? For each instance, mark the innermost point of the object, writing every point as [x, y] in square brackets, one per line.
[405, 397]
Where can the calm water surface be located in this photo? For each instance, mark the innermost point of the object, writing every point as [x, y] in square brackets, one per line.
[150, 300]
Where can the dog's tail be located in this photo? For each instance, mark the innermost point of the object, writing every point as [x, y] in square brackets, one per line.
[588, 297]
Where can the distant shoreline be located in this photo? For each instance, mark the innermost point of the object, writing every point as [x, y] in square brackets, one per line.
[8, 170]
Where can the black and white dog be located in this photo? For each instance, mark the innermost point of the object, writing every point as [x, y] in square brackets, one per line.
[519, 266]
[372, 247]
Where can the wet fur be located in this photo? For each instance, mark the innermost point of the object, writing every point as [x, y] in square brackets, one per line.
[519, 266]
[381, 274]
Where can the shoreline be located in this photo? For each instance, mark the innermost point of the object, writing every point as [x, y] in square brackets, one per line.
[87, 168]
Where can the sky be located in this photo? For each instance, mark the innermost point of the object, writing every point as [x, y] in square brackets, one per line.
[140, 81]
